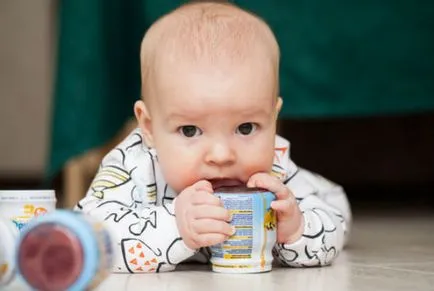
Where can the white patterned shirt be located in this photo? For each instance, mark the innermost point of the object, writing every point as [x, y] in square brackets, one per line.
[131, 195]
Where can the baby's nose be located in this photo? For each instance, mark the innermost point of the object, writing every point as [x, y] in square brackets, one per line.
[220, 154]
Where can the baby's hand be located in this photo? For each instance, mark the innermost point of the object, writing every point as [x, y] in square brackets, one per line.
[290, 223]
[200, 216]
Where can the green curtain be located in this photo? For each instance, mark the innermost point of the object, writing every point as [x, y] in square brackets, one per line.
[339, 58]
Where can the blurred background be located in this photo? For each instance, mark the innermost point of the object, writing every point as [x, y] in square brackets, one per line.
[357, 79]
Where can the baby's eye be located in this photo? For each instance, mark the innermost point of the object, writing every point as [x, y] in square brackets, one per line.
[246, 128]
[190, 131]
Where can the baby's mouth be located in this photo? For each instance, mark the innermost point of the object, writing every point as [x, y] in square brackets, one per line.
[219, 183]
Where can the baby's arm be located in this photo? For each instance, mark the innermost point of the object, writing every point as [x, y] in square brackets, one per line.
[124, 194]
[327, 218]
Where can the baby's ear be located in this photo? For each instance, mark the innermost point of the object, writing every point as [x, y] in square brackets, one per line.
[279, 103]
[144, 120]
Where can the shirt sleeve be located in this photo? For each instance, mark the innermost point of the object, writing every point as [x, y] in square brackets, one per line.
[124, 195]
[327, 219]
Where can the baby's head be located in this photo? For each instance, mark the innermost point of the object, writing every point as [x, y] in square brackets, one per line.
[210, 94]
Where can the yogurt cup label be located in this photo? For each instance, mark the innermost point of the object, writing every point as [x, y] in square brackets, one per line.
[249, 249]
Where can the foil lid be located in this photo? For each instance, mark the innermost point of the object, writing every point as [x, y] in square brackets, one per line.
[239, 190]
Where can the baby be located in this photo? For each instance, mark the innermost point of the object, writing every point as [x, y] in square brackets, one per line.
[208, 119]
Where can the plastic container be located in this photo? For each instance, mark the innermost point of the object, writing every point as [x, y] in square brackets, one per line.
[249, 250]
[20, 206]
[64, 250]
[8, 240]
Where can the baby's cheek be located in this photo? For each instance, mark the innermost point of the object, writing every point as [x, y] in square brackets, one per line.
[179, 179]
[258, 158]
[259, 165]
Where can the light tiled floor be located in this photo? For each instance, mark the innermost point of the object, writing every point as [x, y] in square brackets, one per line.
[391, 251]
[387, 251]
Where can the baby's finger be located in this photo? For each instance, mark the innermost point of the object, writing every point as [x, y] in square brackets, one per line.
[282, 192]
[209, 239]
[255, 180]
[271, 183]
[203, 197]
[203, 185]
[282, 206]
[212, 211]
[206, 225]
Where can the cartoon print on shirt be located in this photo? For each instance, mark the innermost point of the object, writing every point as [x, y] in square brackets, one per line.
[151, 191]
[279, 153]
[117, 213]
[168, 198]
[278, 170]
[148, 218]
[108, 177]
[126, 201]
[137, 224]
[139, 257]
[285, 255]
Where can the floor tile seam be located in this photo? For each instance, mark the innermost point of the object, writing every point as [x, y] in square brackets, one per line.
[392, 268]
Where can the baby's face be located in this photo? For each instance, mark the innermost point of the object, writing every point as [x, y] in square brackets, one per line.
[214, 124]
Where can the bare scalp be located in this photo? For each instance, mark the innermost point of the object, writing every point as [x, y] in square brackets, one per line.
[206, 33]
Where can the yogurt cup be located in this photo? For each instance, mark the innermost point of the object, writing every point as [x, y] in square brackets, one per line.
[8, 239]
[20, 206]
[249, 249]
[65, 250]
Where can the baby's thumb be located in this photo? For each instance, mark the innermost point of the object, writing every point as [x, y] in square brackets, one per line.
[203, 185]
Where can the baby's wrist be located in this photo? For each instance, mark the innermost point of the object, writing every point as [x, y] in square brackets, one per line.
[299, 228]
